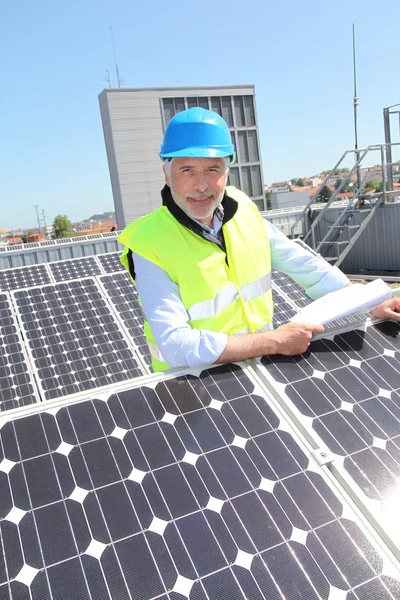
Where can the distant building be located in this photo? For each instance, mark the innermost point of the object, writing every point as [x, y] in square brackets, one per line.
[36, 237]
[288, 200]
[279, 184]
[15, 240]
[313, 181]
[280, 190]
[134, 120]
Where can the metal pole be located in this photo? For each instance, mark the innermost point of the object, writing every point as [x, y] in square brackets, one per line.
[388, 141]
[355, 110]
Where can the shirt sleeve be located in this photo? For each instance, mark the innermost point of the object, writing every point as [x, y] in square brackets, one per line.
[179, 344]
[314, 274]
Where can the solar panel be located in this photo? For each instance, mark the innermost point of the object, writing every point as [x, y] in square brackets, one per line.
[283, 311]
[22, 277]
[188, 488]
[110, 262]
[305, 246]
[76, 268]
[16, 386]
[290, 288]
[124, 297]
[346, 391]
[75, 343]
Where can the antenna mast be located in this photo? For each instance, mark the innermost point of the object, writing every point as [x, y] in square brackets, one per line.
[37, 216]
[44, 222]
[119, 80]
[355, 108]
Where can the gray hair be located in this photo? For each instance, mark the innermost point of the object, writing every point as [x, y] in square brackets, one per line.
[168, 162]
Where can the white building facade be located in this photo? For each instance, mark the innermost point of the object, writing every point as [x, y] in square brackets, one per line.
[134, 121]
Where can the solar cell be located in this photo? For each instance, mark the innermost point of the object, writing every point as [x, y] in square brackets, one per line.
[110, 262]
[16, 385]
[189, 488]
[75, 342]
[75, 268]
[347, 393]
[125, 300]
[22, 277]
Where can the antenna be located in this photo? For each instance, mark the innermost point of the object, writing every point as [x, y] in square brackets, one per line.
[119, 80]
[44, 221]
[107, 78]
[37, 216]
[355, 109]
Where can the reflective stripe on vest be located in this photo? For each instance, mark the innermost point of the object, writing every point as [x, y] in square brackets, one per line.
[256, 288]
[227, 296]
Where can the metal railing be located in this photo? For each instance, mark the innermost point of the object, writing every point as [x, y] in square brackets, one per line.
[359, 193]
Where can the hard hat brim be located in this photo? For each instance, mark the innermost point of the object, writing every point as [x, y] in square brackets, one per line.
[199, 152]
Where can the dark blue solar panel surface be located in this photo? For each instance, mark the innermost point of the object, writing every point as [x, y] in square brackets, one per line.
[283, 311]
[17, 279]
[192, 488]
[75, 342]
[293, 290]
[110, 262]
[349, 390]
[75, 269]
[16, 387]
[124, 297]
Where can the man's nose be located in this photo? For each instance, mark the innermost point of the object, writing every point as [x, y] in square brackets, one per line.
[200, 182]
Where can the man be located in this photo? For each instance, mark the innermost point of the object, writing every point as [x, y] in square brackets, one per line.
[202, 261]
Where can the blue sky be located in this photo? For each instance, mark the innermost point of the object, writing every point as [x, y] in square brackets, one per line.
[297, 54]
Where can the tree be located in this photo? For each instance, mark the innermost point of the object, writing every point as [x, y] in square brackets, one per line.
[344, 189]
[324, 194]
[372, 184]
[61, 226]
[301, 182]
[338, 183]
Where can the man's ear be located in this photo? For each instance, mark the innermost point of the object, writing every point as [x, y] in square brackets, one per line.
[167, 177]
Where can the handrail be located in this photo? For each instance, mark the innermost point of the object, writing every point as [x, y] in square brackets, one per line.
[361, 154]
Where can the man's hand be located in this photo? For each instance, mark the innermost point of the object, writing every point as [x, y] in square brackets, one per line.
[390, 309]
[289, 339]
[294, 338]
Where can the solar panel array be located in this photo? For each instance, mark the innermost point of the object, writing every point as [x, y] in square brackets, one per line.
[189, 488]
[22, 277]
[125, 300]
[16, 386]
[75, 268]
[74, 340]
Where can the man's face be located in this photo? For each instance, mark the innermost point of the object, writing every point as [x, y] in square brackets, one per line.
[197, 185]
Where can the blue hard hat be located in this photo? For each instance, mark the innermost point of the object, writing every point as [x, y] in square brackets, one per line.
[199, 133]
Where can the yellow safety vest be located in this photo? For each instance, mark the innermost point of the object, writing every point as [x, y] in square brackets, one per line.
[231, 292]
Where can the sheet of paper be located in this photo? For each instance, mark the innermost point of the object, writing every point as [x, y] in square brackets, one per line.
[350, 300]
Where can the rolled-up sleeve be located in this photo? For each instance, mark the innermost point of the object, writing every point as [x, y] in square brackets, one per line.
[179, 344]
[314, 274]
